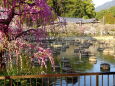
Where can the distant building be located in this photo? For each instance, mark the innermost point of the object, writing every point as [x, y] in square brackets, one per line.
[78, 20]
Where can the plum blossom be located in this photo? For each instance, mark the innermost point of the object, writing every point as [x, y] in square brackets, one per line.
[16, 45]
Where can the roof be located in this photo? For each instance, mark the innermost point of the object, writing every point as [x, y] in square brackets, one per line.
[78, 20]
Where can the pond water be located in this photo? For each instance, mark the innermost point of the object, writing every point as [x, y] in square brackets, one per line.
[87, 66]
[82, 64]
[74, 55]
[71, 62]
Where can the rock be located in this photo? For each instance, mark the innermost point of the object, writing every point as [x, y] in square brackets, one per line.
[105, 67]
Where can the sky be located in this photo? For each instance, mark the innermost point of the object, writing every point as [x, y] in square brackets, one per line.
[100, 2]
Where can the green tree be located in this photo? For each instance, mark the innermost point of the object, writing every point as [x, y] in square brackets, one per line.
[109, 15]
[109, 18]
[89, 9]
[112, 10]
[79, 9]
[73, 8]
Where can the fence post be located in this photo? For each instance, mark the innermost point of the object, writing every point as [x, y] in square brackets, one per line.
[11, 83]
[97, 80]
[4, 82]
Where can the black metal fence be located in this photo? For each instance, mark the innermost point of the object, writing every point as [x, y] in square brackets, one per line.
[77, 79]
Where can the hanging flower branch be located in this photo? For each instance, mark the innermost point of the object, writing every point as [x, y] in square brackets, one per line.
[13, 14]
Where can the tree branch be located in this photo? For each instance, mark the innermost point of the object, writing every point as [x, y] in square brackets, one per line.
[24, 33]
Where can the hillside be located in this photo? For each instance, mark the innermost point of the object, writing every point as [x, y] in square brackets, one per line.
[105, 6]
[107, 14]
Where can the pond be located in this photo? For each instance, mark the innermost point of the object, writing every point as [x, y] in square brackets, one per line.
[73, 55]
[85, 63]
[69, 60]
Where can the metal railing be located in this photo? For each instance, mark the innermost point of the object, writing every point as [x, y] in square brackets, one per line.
[76, 79]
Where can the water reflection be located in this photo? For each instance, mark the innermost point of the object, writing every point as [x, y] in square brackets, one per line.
[87, 55]
[72, 62]
[71, 80]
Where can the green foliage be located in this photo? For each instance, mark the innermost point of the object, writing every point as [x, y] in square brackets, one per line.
[109, 18]
[73, 8]
[30, 2]
[109, 15]
[79, 9]
[89, 8]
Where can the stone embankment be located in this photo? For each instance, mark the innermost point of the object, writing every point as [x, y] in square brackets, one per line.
[105, 38]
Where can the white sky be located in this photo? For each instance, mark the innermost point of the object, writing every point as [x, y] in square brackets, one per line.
[100, 2]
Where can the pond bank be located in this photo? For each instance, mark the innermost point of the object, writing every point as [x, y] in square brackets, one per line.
[105, 38]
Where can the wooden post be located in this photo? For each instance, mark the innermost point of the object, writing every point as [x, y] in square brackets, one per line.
[97, 80]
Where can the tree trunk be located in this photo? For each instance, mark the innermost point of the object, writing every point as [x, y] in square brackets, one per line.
[2, 63]
[4, 24]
